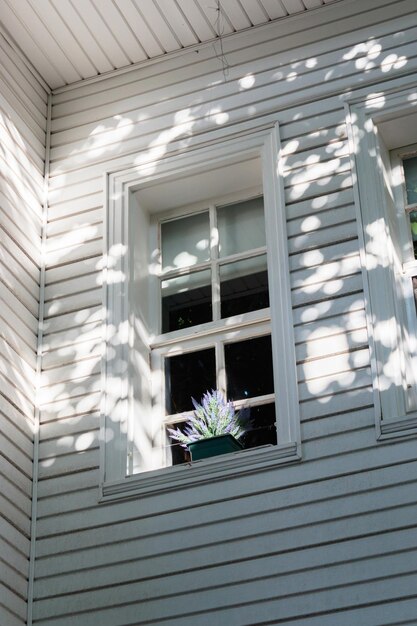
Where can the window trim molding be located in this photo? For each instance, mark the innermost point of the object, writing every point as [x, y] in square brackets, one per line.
[261, 141]
[363, 115]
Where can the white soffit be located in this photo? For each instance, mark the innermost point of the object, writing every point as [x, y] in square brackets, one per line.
[70, 40]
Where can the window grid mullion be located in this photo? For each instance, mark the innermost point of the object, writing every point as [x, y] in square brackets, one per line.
[214, 256]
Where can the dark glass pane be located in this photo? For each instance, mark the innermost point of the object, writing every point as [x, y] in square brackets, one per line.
[410, 174]
[186, 301]
[249, 368]
[415, 290]
[244, 286]
[188, 375]
[262, 430]
[413, 227]
[177, 453]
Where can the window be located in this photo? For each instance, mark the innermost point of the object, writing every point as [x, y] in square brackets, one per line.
[385, 171]
[197, 297]
[212, 274]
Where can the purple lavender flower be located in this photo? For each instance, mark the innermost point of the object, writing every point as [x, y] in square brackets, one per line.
[214, 416]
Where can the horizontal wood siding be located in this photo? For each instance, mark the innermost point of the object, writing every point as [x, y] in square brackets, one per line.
[327, 541]
[22, 153]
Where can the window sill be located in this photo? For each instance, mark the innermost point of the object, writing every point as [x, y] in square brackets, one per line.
[401, 427]
[197, 473]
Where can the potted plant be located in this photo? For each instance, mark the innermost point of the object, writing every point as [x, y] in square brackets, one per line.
[214, 428]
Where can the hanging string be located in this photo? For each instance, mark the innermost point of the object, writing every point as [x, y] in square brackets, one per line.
[219, 30]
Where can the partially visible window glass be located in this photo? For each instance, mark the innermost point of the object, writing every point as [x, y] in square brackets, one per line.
[410, 173]
[412, 216]
[241, 226]
[244, 286]
[263, 428]
[185, 241]
[186, 301]
[249, 368]
[188, 376]
[175, 453]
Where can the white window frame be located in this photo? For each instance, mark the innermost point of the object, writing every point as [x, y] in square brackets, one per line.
[390, 314]
[117, 345]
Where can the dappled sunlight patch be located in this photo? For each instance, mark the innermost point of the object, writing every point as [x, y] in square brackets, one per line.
[100, 142]
[247, 81]
[393, 62]
[310, 223]
[310, 63]
[84, 441]
[218, 116]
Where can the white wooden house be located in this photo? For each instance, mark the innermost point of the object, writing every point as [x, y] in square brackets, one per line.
[200, 195]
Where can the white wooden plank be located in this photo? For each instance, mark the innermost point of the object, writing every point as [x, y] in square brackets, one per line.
[103, 32]
[70, 390]
[293, 6]
[274, 8]
[68, 463]
[76, 253]
[78, 406]
[74, 302]
[72, 353]
[70, 15]
[80, 220]
[88, 331]
[15, 396]
[198, 21]
[210, 12]
[133, 16]
[300, 488]
[17, 439]
[178, 22]
[67, 41]
[80, 369]
[325, 291]
[72, 320]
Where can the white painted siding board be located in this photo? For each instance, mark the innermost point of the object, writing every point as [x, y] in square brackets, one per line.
[143, 542]
[79, 406]
[22, 139]
[70, 15]
[122, 31]
[64, 225]
[274, 8]
[11, 77]
[133, 16]
[178, 22]
[226, 576]
[210, 11]
[79, 205]
[105, 36]
[263, 63]
[277, 498]
[337, 403]
[16, 105]
[72, 320]
[67, 41]
[198, 21]
[91, 248]
[293, 6]
[92, 265]
[56, 466]
[160, 27]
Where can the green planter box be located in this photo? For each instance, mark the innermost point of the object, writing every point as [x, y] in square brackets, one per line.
[205, 448]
